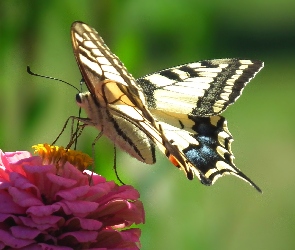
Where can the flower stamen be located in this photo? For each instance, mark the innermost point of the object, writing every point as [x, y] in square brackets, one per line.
[59, 156]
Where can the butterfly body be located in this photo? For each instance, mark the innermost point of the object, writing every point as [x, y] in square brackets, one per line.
[105, 115]
[176, 109]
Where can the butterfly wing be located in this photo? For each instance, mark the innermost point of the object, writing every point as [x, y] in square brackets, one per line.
[115, 105]
[200, 89]
[98, 63]
[186, 101]
[205, 153]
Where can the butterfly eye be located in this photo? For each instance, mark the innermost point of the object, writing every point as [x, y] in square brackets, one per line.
[78, 98]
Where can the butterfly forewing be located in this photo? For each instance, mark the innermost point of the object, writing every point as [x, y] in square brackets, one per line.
[98, 63]
[176, 109]
[112, 93]
[203, 88]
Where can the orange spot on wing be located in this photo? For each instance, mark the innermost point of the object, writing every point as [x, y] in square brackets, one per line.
[174, 161]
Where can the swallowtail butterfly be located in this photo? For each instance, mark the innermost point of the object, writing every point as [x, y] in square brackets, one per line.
[176, 109]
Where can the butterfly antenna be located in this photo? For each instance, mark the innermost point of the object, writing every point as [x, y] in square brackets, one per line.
[50, 77]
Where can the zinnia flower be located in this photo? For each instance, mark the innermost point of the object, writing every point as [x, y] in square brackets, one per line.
[48, 203]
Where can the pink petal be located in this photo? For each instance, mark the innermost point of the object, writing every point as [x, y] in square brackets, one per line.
[122, 192]
[22, 232]
[7, 205]
[120, 211]
[38, 176]
[128, 192]
[96, 179]
[86, 224]
[73, 193]
[18, 166]
[61, 181]
[37, 173]
[134, 212]
[78, 208]
[70, 172]
[52, 220]
[56, 183]
[112, 207]
[21, 182]
[4, 178]
[117, 240]
[13, 157]
[131, 235]
[24, 198]
[99, 192]
[79, 237]
[11, 241]
[33, 223]
[44, 210]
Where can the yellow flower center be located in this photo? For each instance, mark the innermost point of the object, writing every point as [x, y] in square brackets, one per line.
[59, 156]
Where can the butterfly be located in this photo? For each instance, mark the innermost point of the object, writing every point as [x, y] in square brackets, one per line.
[176, 109]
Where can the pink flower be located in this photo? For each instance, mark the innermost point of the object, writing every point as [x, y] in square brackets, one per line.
[47, 203]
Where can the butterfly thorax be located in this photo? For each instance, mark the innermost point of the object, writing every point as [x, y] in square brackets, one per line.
[86, 102]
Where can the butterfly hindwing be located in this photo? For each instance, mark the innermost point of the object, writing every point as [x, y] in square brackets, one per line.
[176, 109]
[208, 147]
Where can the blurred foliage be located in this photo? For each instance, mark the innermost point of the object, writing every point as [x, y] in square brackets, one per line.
[149, 36]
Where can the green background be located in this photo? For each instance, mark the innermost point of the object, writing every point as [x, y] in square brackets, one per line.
[149, 36]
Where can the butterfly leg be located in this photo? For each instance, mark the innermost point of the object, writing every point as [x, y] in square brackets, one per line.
[63, 129]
